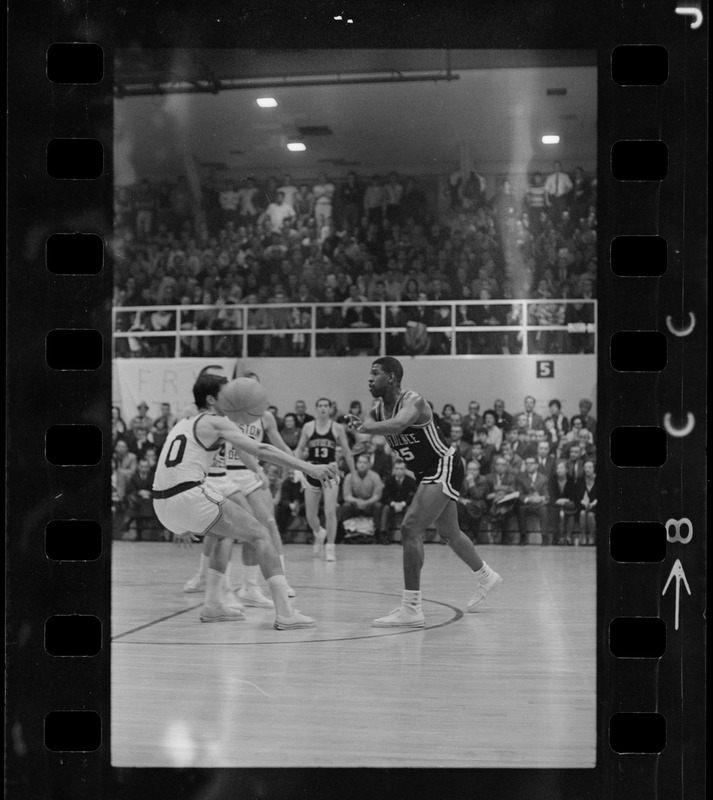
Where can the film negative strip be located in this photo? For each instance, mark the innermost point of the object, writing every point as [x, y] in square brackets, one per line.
[651, 568]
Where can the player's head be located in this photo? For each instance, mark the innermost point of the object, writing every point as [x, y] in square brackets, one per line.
[212, 369]
[385, 372]
[323, 406]
[252, 375]
[207, 386]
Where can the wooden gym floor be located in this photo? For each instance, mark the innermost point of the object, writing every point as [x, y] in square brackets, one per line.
[511, 686]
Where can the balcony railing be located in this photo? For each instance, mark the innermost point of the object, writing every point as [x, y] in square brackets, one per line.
[513, 328]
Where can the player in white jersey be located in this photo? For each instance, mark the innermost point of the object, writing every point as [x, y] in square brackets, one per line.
[239, 478]
[186, 506]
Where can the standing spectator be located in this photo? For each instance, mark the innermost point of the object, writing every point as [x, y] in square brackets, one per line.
[472, 505]
[304, 203]
[533, 499]
[563, 506]
[277, 214]
[399, 491]
[323, 192]
[351, 199]
[587, 497]
[375, 200]
[289, 190]
[362, 493]
[413, 202]
[558, 187]
[394, 192]
[247, 209]
[145, 205]
[536, 202]
[229, 200]
[581, 194]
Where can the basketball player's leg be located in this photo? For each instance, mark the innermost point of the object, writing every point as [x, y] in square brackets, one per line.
[331, 494]
[236, 523]
[427, 506]
[313, 497]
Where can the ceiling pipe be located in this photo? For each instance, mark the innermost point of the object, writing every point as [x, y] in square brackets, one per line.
[126, 89]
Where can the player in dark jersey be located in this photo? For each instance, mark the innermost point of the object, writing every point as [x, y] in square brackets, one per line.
[406, 420]
[318, 445]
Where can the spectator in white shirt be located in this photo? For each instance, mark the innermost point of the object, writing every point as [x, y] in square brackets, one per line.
[558, 188]
[247, 209]
[277, 213]
[323, 192]
[289, 190]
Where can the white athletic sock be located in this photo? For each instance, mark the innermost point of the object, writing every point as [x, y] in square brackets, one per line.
[215, 581]
[277, 585]
[483, 572]
[203, 567]
[412, 599]
[282, 561]
[252, 575]
[227, 573]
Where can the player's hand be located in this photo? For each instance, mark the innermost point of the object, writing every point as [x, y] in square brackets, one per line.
[353, 422]
[185, 539]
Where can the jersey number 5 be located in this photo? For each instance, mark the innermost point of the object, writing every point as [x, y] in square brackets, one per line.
[406, 454]
[176, 451]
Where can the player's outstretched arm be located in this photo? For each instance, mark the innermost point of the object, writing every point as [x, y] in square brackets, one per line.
[344, 444]
[414, 410]
[321, 472]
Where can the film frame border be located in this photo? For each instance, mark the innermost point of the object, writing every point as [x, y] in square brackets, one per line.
[81, 492]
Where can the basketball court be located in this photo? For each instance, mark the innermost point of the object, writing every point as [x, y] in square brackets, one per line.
[513, 685]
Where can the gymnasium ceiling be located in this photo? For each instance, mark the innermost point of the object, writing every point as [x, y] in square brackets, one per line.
[170, 102]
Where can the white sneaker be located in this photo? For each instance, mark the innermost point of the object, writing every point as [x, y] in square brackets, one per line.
[483, 588]
[231, 601]
[221, 613]
[329, 552]
[253, 596]
[401, 617]
[295, 620]
[195, 584]
[319, 539]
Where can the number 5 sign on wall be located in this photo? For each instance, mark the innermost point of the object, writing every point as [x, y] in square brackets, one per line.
[545, 369]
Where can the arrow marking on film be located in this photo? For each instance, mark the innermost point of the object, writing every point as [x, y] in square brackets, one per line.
[677, 573]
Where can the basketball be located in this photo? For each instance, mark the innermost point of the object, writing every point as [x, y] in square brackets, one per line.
[243, 396]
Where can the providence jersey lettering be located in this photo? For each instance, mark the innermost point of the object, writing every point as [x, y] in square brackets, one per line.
[420, 446]
[183, 458]
[322, 447]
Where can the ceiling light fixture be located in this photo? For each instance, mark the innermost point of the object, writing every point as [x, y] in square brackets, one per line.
[266, 102]
[551, 139]
[296, 147]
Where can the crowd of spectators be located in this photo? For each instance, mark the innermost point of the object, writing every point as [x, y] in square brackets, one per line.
[346, 244]
[517, 465]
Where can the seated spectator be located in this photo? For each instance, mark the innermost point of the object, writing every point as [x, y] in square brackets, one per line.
[472, 421]
[588, 421]
[399, 491]
[586, 443]
[456, 439]
[126, 464]
[563, 505]
[482, 452]
[533, 499]
[472, 505]
[139, 500]
[586, 491]
[362, 491]
[493, 433]
[534, 420]
[575, 464]
[142, 419]
[560, 422]
[545, 460]
[515, 463]
[289, 431]
[301, 415]
[118, 426]
[290, 509]
[158, 434]
[501, 493]
[551, 434]
[379, 459]
[502, 419]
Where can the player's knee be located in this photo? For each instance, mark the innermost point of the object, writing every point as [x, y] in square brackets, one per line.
[410, 530]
